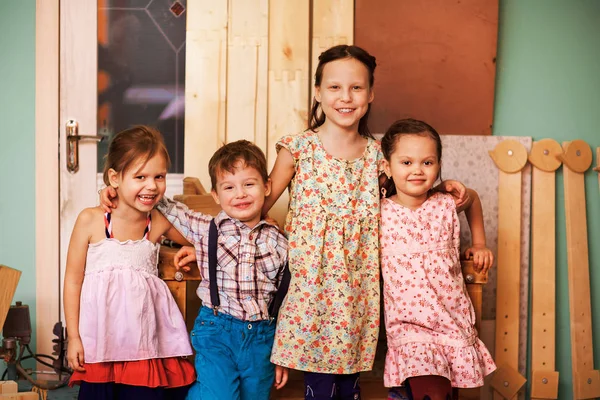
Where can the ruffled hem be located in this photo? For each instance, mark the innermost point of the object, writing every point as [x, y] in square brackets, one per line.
[465, 367]
[158, 372]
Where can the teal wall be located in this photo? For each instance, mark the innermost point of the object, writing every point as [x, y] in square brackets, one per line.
[17, 145]
[548, 86]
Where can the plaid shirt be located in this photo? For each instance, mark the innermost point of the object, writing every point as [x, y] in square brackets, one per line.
[249, 261]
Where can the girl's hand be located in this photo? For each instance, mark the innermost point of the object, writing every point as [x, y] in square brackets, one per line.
[75, 354]
[281, 376]
[184, 256]
[482, 258]
[457, 190]
[106, 195]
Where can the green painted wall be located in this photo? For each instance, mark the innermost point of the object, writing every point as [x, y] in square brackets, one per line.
[548, 86]
[17, 145]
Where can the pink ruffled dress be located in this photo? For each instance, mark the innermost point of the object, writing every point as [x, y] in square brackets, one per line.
[429, 317]
[127, 314]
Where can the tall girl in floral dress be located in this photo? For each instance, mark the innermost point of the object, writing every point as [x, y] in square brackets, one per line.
[328, 324]
[429, 319]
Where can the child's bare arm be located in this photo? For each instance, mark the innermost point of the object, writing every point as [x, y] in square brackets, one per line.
[281, 175]
[482, 256]
[76, 258]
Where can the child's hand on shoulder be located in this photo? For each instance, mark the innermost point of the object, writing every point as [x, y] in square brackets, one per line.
[107, 195]
[281, 376]
[183, 257]
[483, 258]
[457, 190]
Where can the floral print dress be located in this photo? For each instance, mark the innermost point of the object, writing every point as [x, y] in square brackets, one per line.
[329, 321]
[429, 318]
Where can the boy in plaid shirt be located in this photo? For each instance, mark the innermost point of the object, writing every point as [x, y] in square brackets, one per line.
[233, 339]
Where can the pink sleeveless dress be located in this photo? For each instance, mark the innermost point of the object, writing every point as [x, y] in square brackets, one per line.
[126, 311]
[429, 317]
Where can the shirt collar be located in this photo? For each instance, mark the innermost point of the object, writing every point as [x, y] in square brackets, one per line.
[222, 217]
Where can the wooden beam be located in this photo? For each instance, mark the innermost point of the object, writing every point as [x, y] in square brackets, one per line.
[247, 68]
[510, 157]
[577, 158]
[205, 84]
[332, 24]
[543, 157]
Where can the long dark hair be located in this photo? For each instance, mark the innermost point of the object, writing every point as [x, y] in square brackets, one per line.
[316, 118]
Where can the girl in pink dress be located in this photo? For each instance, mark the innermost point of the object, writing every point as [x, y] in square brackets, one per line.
[127, 338]
[429, 319]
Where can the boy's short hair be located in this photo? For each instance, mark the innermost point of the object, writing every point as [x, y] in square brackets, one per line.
[226, 158]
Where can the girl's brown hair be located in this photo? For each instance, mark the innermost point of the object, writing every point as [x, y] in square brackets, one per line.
[316, 118]
[131, 145]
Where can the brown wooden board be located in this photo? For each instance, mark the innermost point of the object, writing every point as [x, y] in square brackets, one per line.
[436, 61]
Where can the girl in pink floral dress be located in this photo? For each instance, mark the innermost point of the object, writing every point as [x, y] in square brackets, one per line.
[432, 342]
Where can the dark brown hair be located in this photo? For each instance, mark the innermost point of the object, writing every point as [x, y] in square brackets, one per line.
[404, 127]
[316, 118]
[131, 145]
[408, 126]
[226, 158]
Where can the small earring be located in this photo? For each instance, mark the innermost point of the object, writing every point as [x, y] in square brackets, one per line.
[383, 192]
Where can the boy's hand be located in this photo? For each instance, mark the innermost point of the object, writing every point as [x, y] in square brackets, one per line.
[106, 195]
[457, 190]
[482, 257]
[184, 256]
[75, 354]
[281, 376]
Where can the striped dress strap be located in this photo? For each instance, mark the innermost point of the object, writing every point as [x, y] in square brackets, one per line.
[148, 226]
[108, 226]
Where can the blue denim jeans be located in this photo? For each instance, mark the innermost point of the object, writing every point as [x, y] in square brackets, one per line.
[232, 358]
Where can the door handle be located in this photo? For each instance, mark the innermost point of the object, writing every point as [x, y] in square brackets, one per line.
[73, 138]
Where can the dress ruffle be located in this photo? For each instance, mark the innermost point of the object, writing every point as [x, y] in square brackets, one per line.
[158, 372]
[464, 367]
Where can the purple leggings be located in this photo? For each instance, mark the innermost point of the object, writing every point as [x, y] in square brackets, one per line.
[331, 386]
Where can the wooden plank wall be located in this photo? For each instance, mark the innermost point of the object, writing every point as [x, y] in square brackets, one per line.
[249, 71]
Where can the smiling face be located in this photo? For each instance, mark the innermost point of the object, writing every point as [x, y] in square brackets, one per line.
[414, 165]
[141, 185]
[242, 193]
[344, 92]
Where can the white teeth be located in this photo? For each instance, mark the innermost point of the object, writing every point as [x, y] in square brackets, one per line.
[345, 110]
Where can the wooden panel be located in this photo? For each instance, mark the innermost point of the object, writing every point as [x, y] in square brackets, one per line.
[9, 278]
[47, 242]
[288, 70]
[510, 157]
[332, 24]
[580, 308]
[247, 57]
[507, 288]
[436, 61]
[205, 84]
[543, 269]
